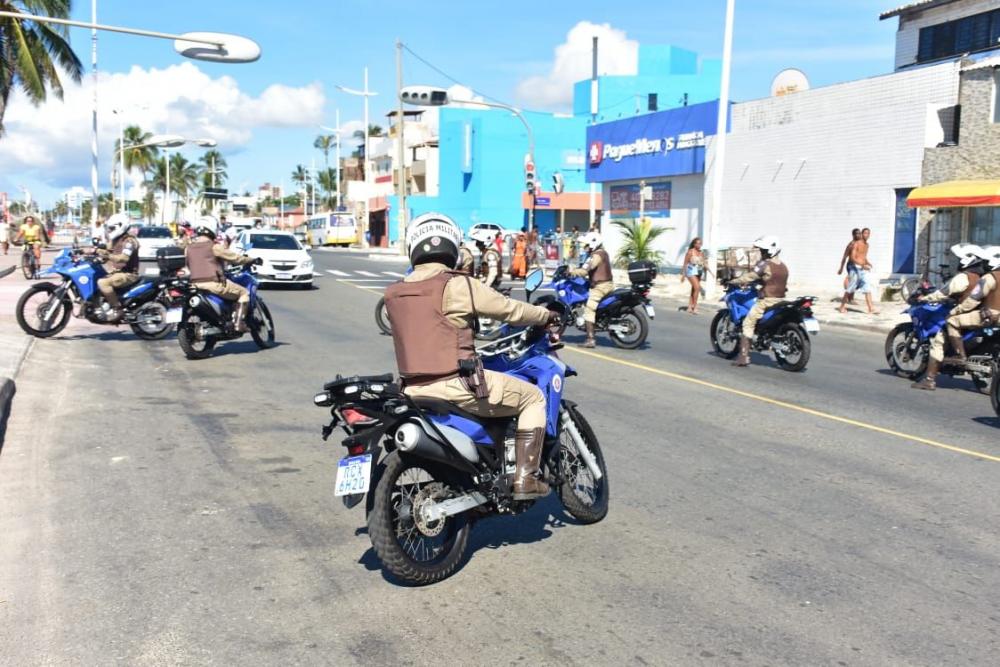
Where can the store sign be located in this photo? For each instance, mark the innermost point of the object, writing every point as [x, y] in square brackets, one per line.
[625, 200]
[666, 143]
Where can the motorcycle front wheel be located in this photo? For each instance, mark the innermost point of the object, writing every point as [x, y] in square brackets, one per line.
[414, 550]
[897, 354]
[638, 329]
[725, 336]
[261, 325]
[41, 312]
[151, 321]
[382, 317]
[995, 391]
[190, 345]
[585, 498]
[797, 341]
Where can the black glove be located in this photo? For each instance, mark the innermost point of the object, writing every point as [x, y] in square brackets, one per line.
[553, 319]
[257, 261]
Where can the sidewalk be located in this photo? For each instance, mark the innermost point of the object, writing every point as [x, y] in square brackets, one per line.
[14, 344]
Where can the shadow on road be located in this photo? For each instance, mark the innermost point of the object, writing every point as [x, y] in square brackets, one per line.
[988, 421]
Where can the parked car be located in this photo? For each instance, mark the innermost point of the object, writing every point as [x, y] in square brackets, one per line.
[493, 227]
[152, 238]
[285, 258]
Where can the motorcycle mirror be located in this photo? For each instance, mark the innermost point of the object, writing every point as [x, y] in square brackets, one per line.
[533, 281]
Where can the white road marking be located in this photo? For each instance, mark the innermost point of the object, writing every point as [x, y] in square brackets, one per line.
[338, 273]
[393, 273]
[366, 273]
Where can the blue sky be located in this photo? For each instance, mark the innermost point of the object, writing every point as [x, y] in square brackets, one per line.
[488, 45]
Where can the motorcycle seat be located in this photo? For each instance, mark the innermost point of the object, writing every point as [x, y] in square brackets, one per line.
[439, 406]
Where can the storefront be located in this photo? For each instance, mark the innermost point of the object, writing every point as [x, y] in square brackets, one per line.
[961, 211]
[652, 167]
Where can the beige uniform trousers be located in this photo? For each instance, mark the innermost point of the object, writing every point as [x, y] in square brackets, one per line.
[509, 396]
[597, 294]
[109, 283]
[970, 320]
[937, 347]
[757, 312]
[228, 290]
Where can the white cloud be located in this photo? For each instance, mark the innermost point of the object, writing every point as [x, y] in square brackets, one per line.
[616, 54]
[53, 141]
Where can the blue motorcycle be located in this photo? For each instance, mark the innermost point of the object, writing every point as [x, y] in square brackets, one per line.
[45, 308]
[207, 319]
[784, 328]
[624, 313]
[907, 347]
[429, 469]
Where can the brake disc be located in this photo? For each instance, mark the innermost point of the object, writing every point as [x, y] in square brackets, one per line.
[432, 493]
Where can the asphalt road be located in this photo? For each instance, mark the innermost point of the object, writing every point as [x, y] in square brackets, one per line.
[159, 511]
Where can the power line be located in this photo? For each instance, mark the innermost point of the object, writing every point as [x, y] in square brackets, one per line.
[450, 77]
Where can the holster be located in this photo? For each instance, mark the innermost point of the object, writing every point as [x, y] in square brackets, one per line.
[474, 377]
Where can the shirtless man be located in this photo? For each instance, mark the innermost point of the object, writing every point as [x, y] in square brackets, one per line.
[851, 280]
[859, 257]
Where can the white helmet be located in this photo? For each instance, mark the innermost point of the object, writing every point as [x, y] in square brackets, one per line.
[433, 237]
[209, 221]
[484, 236]
[967, 253]
[991, 255]
[593, 241]
[770, 244]
[116, 226]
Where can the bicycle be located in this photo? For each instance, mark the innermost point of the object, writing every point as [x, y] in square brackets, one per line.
[911, 285]
[29, 263]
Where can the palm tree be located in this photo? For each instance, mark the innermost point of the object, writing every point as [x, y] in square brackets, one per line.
[327, 180]
[149, 203]
[300, 175]
[106, 204]
[325, 142]
[373, 131]
[61, 209]
[637, 241]
[140, 158]
[31, 54]
[213, 159]
[183, 178]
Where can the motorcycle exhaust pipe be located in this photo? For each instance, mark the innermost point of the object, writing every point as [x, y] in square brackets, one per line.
[411, 438]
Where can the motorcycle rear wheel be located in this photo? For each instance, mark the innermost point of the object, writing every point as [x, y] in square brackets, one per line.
[995, 391]
[190, 345]
[405, 550]
[152, 330]
[382, 317]
[261, 325]
[727, 347]
[58, 319]
[796, 337]
[585, 498]
[638, 330]
[895, 351]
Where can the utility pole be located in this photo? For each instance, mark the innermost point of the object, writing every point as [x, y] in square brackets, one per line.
[400, 151]
[93, 122]
[593, 120]
[338, 159]
[718, 168]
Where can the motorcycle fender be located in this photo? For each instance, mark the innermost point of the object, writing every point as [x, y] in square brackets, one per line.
[780, 317]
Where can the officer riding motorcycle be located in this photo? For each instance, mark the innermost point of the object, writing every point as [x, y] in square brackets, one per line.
[123, 258]
[597, 269]
[971, 266]
[434, 312]
[984, 297]
[772, 273]
[206, 261]
[490, 262]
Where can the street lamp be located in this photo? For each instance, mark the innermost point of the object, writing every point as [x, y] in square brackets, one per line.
[366, 94]
[216, 47]
[174, 141]
[429, 96]
[337, 131]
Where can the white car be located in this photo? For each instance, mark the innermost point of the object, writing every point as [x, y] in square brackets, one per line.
[152, 238]
[494, 228]
[285, 259]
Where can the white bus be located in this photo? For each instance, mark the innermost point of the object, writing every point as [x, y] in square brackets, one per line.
[333, 229]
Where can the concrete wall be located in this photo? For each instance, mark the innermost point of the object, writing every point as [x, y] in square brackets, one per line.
[812, 165]
[908, 32]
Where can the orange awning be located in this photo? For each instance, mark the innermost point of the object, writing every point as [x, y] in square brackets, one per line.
[956, 193]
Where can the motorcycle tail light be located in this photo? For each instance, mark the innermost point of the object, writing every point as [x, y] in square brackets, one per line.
[354, 417]
[807, 304]
[356, 450]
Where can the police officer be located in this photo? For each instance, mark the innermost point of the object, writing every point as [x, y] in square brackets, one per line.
[466, 261]
[123, 256]
[773, 274]
[971, 267]
[433, 311]
[206, 262]
[597, 269]
[984, 297]
[490, 261]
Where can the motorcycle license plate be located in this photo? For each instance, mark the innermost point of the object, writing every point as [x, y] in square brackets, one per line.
[811, 324]
[283, 276]
[353, 475]
[173, 316]
[650, 311]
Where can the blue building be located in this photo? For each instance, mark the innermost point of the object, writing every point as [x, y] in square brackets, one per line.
[481, 151]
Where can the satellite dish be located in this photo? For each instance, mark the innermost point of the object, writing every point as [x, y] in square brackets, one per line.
[789, 81]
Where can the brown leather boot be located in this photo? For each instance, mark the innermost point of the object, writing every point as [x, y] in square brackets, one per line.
[958, 348]
[528, 484]
[241, 317]
[590, 342]
[744, 356]
[929, 383]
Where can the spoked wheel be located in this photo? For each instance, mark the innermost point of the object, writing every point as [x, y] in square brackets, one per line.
[151, 321]
[796, 348]
[29, 265]
[725, 335]
[43, 311]
[906, 357]
[261, 325]
[995, 390]
[583, 496]
[188, 340]
[636, 329]
[411, 548]
[382, 317]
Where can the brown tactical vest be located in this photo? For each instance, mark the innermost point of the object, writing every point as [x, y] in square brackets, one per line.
[428, 346]
[484, 269]
[973, 281]
[131, 265]
[992, 300]
[602, 274]
[777, 286]
[203, 264]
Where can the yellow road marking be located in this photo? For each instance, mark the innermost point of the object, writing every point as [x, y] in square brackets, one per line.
[789, 406]
[367, 289]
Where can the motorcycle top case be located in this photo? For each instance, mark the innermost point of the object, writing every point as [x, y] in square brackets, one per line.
[642, 272]
[170, 259]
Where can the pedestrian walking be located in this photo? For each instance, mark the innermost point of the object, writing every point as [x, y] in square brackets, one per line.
[518, 263]
[4, 233]
[851, 279]
[857, 262]
[532, 249]
[693, 271]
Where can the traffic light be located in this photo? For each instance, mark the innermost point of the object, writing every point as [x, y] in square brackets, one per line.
[530, 182]
[558, 184]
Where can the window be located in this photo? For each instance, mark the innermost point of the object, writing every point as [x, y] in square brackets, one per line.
[984, 225]
[274, 242]
[971, 33]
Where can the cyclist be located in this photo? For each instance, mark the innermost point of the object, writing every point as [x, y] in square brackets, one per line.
[32, 234]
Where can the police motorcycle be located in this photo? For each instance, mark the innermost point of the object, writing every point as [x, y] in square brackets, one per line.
[783, 329]
[624, 313]
[427, 470]
[907, 346]
[149, 306]
[207, 319]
